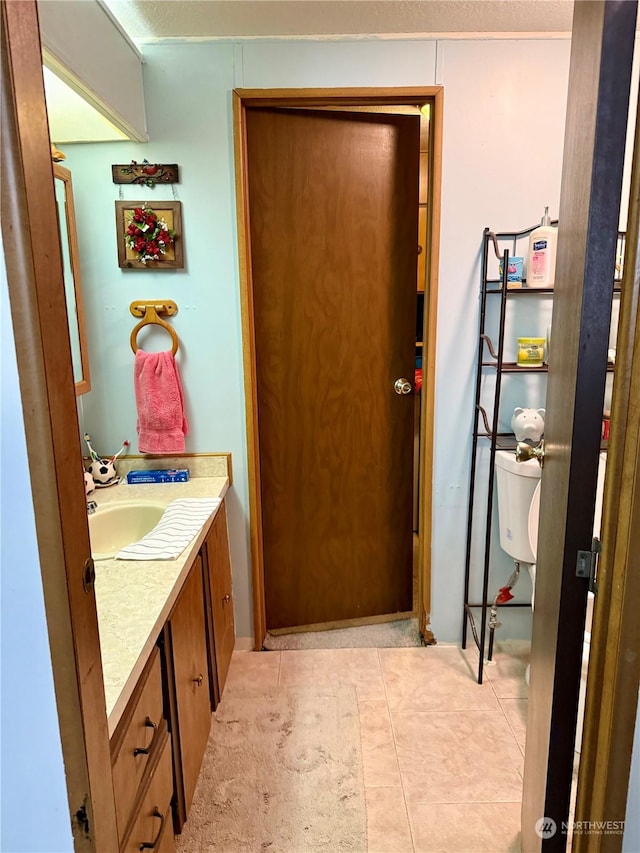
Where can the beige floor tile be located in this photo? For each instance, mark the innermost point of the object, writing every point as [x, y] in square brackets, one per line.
[433, 679]
[359, 668]
[253, 671]
[457, 757]
[515, 710]
[506, 672]
[387, 822]
[380, 763]
[465, 827]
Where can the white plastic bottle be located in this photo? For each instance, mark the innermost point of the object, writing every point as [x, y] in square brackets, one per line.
[541, 260]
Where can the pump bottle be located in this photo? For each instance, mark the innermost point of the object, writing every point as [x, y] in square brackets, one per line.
[541, 260]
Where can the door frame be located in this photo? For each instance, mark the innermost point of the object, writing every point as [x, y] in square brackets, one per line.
[357, 97]
[613, 677]
[590, 199]
[33, 257]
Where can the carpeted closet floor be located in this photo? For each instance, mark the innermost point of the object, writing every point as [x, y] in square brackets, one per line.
[397, 634]
[366, 750]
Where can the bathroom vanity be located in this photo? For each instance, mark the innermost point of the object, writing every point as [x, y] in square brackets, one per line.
[166, 636]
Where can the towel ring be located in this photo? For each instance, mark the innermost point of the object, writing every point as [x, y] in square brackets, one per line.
[150, 311]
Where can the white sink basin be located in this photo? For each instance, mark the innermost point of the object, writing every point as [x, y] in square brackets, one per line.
[113, 526]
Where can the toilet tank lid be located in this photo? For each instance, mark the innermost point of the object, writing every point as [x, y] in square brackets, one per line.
[506, 459]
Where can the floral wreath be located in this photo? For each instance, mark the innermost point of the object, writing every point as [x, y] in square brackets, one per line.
[148, 236]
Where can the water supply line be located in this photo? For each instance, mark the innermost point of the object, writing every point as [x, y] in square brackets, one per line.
[503, 595]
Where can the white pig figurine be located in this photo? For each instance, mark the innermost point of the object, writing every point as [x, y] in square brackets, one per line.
[528, 424]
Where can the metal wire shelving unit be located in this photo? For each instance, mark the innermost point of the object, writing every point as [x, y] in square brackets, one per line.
[490, 358]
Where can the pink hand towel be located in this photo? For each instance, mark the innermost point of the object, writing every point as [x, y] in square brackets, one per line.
[162, 425]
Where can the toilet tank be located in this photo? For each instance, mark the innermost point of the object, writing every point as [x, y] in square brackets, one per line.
[516, 483]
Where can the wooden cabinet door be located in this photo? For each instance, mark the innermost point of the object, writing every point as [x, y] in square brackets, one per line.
[222, 629]
[191, 717]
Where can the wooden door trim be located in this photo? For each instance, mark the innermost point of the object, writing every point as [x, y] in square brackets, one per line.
[243, 99]
[427, 401]
[599, 81]
[613, 678]
[38, 310]
[355, 96]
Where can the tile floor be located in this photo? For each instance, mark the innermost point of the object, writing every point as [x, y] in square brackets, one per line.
[442, 755]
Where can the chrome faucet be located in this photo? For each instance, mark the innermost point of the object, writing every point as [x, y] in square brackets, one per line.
[92, 506]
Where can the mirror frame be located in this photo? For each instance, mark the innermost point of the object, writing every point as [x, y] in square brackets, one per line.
[83, 385]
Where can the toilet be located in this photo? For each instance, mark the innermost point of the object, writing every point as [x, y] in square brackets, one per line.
[518, 485]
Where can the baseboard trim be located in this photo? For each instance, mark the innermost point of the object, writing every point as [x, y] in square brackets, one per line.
[244, 644]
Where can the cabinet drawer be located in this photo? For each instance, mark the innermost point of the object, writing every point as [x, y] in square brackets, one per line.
[135, 740]
[167, 841]
[153, 826]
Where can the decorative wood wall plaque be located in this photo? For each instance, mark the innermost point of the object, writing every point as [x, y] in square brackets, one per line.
[149, 236]
[145, 173]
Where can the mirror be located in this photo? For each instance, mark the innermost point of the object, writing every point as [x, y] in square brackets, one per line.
[72, 280]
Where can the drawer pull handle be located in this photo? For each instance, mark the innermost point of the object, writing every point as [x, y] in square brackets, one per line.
[141, 750]
[226, 599]
[198, 680]
[150, 845]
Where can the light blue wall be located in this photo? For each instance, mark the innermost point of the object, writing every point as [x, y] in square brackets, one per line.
[505, 105]
[503, 130]
[189, 119]
[34, 815]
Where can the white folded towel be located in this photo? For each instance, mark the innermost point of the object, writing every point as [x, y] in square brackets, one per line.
[180, 522]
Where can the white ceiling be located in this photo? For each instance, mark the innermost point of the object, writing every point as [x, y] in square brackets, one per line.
[145, 20]
[72, 119]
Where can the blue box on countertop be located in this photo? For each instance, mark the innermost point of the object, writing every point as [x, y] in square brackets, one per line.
[165, 475]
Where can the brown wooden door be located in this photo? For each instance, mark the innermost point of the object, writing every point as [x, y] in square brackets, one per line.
[333, 215]
[599, 78]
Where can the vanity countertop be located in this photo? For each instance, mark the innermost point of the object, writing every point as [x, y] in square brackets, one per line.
[134, 597]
